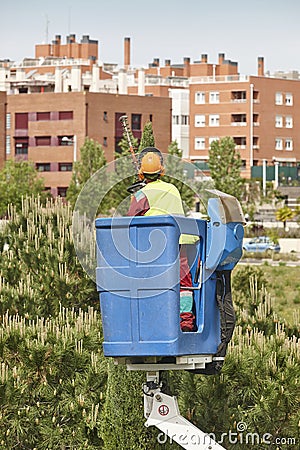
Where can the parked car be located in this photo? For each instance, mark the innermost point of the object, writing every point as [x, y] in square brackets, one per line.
[261, 244]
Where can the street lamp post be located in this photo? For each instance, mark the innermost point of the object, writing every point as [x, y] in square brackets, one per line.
[264, 177]
[73, 141]
[276, 183]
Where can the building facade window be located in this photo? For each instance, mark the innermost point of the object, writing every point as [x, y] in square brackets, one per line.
[278, 144]
[65, 167]
[21, 121]
[240, 142]
[289, 144]
[199, 120]
[105, 141]
[278, 122]
[43, 167]
[256, 142]
[65, 115]
[21, 146]
[289, 122]
[214, 120]
[180, 120]
[214, 97]
[8, 140]
[256, 120]
[184, 120]
[105, 116]
[62, 191]
[175, 120]
[21, 150]
[238, 96]
[199, 98]
[8, 121]
[42, 140]
[238, 119]
[199, 143]
[43, 116]
[289, 99]
[278, 98]
[213, 139]
[136, 122]
[65, 140]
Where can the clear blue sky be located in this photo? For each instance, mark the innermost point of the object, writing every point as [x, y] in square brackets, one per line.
[164, 29]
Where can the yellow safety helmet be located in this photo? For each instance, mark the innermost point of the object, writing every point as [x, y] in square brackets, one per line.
[150, 162]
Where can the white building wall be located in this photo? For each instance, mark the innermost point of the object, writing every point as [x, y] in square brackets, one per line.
[122, 82]
[180, 119]
[4, 79]
[95, 78]
[76, 79]
[58, 80]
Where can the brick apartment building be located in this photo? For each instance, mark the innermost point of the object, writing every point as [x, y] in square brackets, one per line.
[2, 127]
[70, 93]
[40, 123]
[261, 113]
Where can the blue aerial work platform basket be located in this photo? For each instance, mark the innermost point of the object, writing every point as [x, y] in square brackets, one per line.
[138, 280]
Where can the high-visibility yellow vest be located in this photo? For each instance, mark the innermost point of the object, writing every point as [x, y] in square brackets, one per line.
[164, 199]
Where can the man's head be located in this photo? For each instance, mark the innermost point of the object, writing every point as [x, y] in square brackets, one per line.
[150, 164]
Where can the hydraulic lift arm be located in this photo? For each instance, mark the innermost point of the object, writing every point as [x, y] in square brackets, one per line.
[161, 410]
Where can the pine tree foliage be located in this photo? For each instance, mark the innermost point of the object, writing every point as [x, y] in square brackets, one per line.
[225, 166]
[58, 392]
[40, 270]
[257, 387]
[52, 375]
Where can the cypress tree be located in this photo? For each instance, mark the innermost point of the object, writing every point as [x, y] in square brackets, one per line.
[147, 139]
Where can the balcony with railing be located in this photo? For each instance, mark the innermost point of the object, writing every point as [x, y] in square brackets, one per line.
[238, 120]
[238, 124]
[169, 81]
[50, 62]
[220, 79]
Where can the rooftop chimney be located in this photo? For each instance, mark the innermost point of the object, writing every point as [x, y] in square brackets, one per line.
[71, 39]
[156, 62]
[127, 52]
[204, 58]
[260, 66]
[167, 62]
[221, 58]
[187, 67]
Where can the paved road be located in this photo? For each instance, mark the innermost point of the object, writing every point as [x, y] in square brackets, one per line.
[259, 262]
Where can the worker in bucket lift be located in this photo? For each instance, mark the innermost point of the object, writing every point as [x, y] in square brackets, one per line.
[160, 198]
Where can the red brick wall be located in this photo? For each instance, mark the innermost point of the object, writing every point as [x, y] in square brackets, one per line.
[2, 128]
[88, 120]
